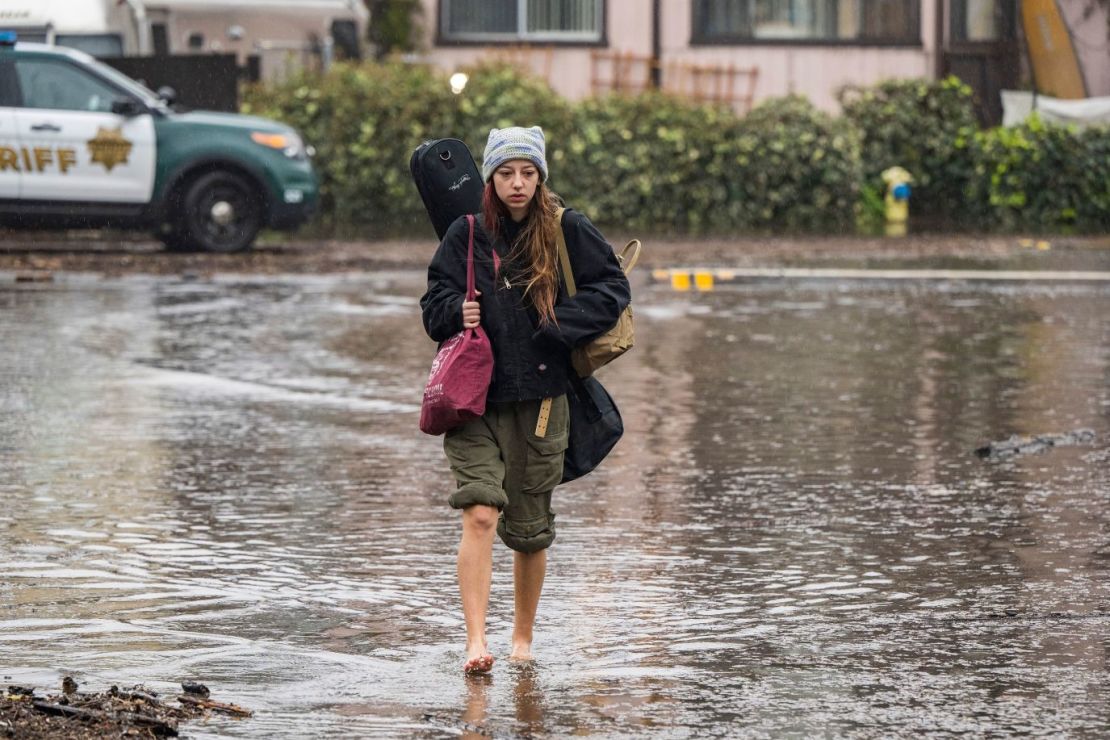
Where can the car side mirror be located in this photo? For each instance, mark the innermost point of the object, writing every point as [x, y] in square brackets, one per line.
[127, 107]
[167, 94]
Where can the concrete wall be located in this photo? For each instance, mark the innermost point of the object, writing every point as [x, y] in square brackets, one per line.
[285, 38]
[1092, 47]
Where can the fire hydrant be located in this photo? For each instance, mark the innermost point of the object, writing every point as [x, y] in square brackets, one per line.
[897, 200]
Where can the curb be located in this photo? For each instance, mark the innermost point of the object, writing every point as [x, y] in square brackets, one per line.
[706, 279]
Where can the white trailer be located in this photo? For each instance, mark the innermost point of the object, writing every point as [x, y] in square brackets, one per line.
[280, 32]
[102, 28]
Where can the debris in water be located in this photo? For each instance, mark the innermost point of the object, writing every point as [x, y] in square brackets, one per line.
[38, 276]
[217, 706]
[1015, 445]
[134, 712]
[195, 688]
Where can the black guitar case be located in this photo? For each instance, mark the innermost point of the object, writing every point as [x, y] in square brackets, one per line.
[448, 181]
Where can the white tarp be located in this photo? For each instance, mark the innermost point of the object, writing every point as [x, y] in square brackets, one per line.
[1018, 104]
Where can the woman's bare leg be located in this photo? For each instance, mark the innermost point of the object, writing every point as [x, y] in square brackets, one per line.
[475, 567]
[528, 573]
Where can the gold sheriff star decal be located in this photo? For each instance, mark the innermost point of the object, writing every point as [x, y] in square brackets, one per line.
[109, 148]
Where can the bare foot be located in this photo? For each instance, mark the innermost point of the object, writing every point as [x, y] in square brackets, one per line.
[522, 651]
[479, 664]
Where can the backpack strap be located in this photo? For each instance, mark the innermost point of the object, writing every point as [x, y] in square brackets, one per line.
[628, 257]
[568, 279]
[564, 256]
[628, 261]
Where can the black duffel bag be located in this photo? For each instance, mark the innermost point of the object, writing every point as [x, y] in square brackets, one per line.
[595, 426]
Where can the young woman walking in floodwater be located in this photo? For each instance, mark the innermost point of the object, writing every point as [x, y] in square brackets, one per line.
[507, 462]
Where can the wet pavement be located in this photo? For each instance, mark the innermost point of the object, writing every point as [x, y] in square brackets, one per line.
[222, 480]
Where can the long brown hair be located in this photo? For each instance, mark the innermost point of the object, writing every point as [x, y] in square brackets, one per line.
[536, 244]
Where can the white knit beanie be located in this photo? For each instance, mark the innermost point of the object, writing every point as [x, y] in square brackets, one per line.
[515, 142]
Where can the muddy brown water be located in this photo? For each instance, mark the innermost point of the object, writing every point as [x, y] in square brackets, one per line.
[222, 480]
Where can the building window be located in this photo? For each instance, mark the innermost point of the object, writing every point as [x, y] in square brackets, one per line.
[521, 21]
[807, 21]
[97, 44]
[982, 20]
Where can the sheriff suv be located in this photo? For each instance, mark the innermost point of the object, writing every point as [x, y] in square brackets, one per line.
[82, 145]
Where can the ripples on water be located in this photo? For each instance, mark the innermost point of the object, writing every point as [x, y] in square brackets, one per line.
[223, 480]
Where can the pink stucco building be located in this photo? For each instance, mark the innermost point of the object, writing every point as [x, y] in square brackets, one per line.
[745, 50]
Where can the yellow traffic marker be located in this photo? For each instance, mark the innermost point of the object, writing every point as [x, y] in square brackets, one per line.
[660, 274]
[680, 280]
[704, 280]
[1043, 245]
[1027, 243]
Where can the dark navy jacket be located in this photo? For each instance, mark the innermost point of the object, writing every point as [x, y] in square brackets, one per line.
[529, 362]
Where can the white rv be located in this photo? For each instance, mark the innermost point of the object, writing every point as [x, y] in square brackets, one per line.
[103, 28]
[274, 30]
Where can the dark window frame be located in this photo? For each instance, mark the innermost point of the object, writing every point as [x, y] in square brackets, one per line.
[699, 38]
[495, 39]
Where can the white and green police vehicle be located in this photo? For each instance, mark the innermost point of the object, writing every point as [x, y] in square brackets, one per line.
[82, 145]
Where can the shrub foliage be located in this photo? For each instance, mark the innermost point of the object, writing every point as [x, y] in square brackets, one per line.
[1042, 177]
[656, 162]
[922, 126]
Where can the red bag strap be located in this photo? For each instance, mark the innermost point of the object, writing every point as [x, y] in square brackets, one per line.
[470, 261]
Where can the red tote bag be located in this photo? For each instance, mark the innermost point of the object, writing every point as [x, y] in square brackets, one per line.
[461, 372]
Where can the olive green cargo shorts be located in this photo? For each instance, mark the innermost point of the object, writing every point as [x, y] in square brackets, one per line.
[498, 460]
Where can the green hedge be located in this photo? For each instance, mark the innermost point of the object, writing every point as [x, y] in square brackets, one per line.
[660, 163]
[1034, 176]
[925, 127]
[790, 166]
[1042, 177]
[635, 161]
[364, 120]
[649, 161]
[656, 162]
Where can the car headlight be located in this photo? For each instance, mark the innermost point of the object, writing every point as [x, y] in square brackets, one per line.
[288, 144]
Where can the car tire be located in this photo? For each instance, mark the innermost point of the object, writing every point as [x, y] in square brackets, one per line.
[174, 240]
[220, 212]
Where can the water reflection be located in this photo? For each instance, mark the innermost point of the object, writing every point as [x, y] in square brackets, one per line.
[223, 480]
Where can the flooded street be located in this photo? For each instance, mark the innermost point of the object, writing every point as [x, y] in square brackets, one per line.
[222, 480]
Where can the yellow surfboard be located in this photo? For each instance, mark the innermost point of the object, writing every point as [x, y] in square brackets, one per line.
[1056, 69]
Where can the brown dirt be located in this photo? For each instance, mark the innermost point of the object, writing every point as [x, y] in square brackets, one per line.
[110, 254]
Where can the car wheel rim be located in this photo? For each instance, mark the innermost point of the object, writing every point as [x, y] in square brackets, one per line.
[224, 213]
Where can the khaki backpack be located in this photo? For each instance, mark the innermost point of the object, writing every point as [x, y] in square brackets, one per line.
[617, 340]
